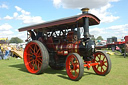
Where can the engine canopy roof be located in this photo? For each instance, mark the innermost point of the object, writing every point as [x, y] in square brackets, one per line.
[64, 23]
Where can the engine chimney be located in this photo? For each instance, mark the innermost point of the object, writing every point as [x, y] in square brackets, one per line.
[85, 23]
[84, 10]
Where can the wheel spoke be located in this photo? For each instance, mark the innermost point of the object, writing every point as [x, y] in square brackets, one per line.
[30, 61]
[97, 67]
[96, 60]
[105, 65]
[33, 65]
[103, 58]
[33, 68]
[30, 58]
[76, 64]
[32, 50]
[105, 62]
[33, 62]
[39, 56]
[36, 64]
[98, 57]
[101, 68]
[38, 51]
[72, 61]
[71, 70]
[76, 74]
[39, 61]
[29, 54]
[35, 48]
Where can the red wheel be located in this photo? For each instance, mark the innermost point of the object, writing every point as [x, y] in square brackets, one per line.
[104, 61]
[74, 66]
[36, 57]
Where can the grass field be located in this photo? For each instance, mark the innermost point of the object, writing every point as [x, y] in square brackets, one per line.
[13, 72]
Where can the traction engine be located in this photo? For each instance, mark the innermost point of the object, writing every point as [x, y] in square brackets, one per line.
[61, 46]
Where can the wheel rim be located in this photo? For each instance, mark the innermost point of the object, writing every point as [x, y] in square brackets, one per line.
[102, 67]
[33, 57]
[72, 67]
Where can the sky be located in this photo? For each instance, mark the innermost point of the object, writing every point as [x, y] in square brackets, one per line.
[15, 14]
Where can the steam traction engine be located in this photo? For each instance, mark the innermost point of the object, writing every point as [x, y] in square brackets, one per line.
[60, 46]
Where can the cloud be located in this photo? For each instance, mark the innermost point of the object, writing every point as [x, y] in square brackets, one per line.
[22, 35]
[57, 3]
[117, 30]
[18, 8]
[26, 17]
[118, 27]
[5, 30]
[5, 27]
[15, 14]
[8, 17]
[97, 7]
[103, 14]
[97, 31]
[82, 3]
[22, 11]
[19, 14]
[5, 34]
[30, 19]
[4, 6]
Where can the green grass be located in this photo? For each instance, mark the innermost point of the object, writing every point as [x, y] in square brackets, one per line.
[13, 72]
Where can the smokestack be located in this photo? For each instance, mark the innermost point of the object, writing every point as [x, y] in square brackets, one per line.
[84, 10]
[85, 23]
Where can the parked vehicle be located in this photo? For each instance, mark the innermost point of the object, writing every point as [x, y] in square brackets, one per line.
[60, 46]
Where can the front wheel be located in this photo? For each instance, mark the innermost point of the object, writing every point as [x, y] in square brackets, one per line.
[74, 66]
[104, 61]
[36, 57]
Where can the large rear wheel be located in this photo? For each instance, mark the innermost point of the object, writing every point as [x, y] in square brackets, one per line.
[74, 66]
[104, 61]
[36, 57]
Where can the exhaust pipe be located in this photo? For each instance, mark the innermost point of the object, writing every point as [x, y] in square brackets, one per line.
[85, 23]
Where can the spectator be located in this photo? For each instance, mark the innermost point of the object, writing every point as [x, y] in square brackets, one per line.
[0, 46]
[23, 46]
[7, 52]
[1, 55]
[31, 35]
[38, 34]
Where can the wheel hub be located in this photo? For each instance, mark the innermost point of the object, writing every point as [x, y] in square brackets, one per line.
[101, 63]
[34, 57]
[71, 66]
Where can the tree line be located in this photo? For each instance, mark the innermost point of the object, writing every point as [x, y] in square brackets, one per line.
[98, 38]
[18, 40]
[15, 40]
